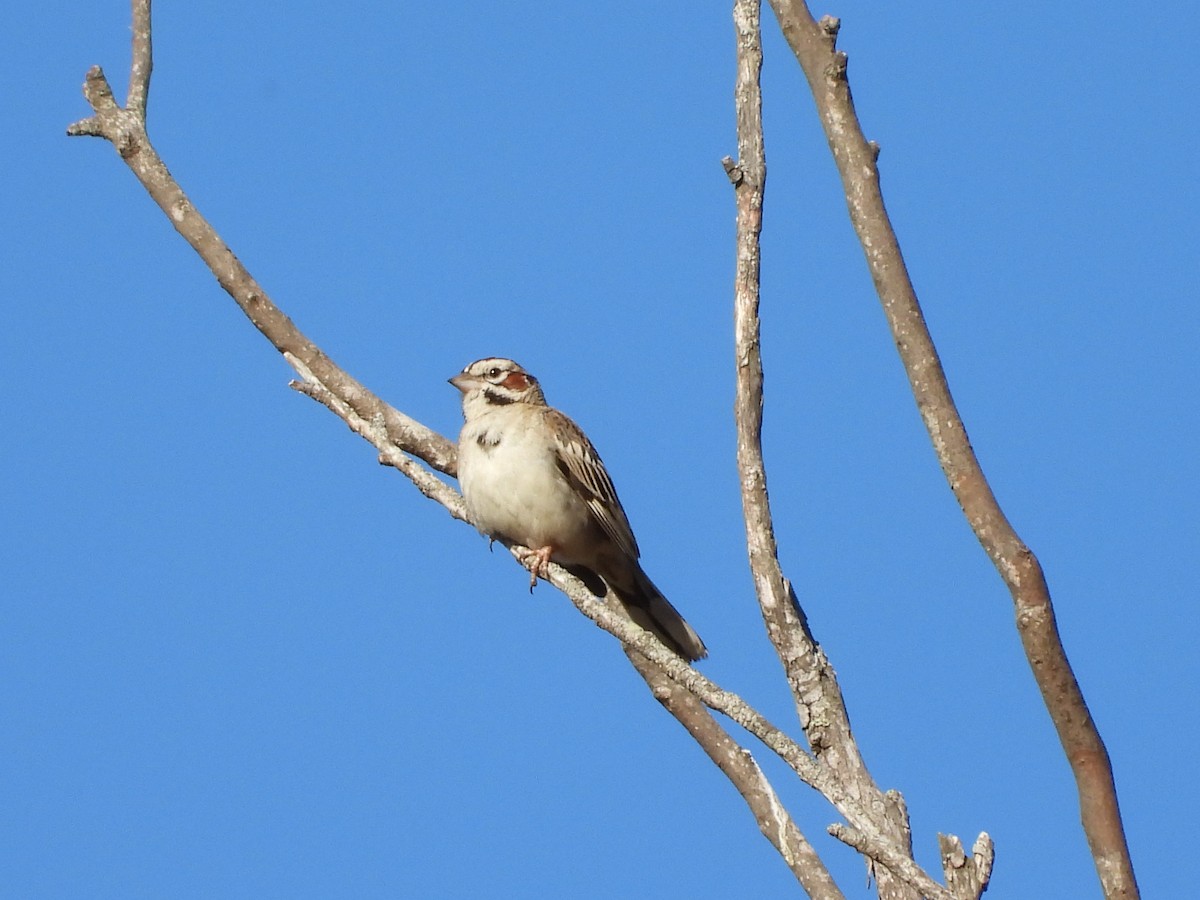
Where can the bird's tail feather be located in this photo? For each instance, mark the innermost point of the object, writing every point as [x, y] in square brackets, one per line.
[654, 612]
[650, 610]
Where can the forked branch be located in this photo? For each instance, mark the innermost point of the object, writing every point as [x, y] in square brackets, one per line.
[882, 833]
[125, 128]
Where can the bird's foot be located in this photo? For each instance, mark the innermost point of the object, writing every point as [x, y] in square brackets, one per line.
[536, 562]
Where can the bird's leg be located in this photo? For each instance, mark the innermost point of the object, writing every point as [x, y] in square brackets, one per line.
[536, 561]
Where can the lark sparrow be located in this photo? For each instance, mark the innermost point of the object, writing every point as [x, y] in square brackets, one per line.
[529, 474]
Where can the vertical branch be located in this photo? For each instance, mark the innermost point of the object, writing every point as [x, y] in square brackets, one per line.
[781, 614]
[143, 60]
[749, 177]
[814, 44]
[822, 709]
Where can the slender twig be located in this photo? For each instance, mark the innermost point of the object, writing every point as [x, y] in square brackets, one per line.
[739, 766]
[823, 714]
[814, 685]
[126, 129]
[374, 431]
[814, 44]
[748, 175]
[873, 841]
[143, 61]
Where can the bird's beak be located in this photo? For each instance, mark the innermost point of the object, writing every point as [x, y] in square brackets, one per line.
[463, 381]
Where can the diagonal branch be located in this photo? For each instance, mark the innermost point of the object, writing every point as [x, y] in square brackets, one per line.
[879, 846]
[740, 768]
[814, 44]
[126, 129]
[374, 432]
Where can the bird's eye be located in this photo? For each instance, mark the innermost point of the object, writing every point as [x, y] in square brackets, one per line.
[493, 372]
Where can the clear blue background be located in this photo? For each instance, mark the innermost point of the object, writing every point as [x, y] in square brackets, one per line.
[239, 658]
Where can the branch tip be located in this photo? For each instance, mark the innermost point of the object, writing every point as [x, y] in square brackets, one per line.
[89, 127]
[97, 90]
[966, 876]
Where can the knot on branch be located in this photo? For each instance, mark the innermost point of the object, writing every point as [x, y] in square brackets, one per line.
[830, 26]
[836, 70]
[733, 170]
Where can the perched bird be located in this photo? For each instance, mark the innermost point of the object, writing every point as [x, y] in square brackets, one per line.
[529, 474]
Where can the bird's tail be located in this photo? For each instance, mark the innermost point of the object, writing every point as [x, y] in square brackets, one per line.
[645, 604]
[654, 612]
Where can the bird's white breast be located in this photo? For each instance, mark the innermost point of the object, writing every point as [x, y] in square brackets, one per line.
[507, 467]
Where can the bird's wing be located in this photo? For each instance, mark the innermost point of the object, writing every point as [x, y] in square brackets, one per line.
[580, 464]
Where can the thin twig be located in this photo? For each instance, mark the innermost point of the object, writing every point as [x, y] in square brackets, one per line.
[901, 877]
[739, 767]
[375, 433]
[814, 685]
[814, 44]
[143, 61]
[126, 129]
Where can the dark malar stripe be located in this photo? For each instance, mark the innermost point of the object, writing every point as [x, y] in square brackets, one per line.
[497, 399]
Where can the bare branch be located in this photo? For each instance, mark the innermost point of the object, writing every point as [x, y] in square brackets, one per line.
[374, 431]
[143, 61]
[814, 685]
[899, 863]
[749, 176]
[901, 877]
[126, 129]
[740, 768]
[814, 44]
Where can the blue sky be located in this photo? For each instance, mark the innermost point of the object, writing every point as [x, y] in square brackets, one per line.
[239, 658]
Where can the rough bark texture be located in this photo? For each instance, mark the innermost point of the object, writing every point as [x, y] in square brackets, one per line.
[819, 701]
[814, 44]
[739, 767]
